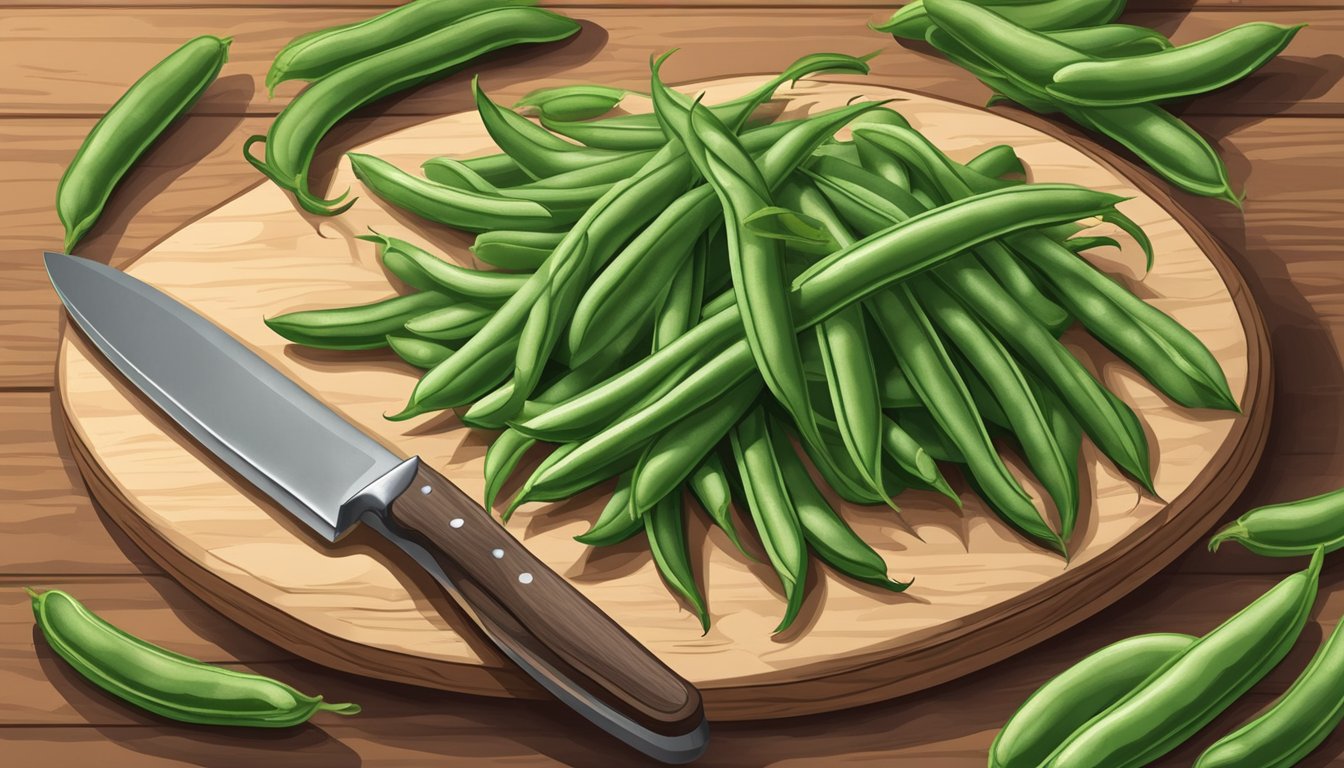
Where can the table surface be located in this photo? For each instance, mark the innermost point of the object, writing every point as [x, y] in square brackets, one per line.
[63, 63]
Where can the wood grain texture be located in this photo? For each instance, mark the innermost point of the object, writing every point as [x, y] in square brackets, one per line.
[36, 44]
[852, 646]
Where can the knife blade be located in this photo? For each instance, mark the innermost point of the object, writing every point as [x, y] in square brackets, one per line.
[332, 477]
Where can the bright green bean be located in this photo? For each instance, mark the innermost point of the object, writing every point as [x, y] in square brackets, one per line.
[432, 273]
[571, 102]
[421, 353]
[709, 482]
[1289, 529]
[360, 327]
[665, 525]
[912, 19]
[519, 250]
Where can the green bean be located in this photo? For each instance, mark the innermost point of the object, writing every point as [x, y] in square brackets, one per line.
[294, 135]
[568, 201]
[470, 211]
[625, 289]
[912, 19]
[1056, 469]
[1067, 701]
[1161, 349]
[498, 169]
[665, 525]
[848, 275]
[1165, 143]
[997, 161]
[432, 273]
[1004, 86]
[1112, 40]
[825, 531]
[122, 135]
[421, 353]
[1198, 684]
[360, 327]
[1080, 244]
[680, 307]
[522, 496]
[469, 173]
[1297, 723]
[771, 509]
[943, 391]
[519, 250]
[636, 132]
[709, 482]
[1289, 529]
[1003, 44]
[924, 429]
[165, 683]
[319, 53]
[459, 320]
[614, 524]
[572, 102]
[881, 164]
[1187, 70]
[911, 457]
[670, 457]
[539, 152]
[501, 458]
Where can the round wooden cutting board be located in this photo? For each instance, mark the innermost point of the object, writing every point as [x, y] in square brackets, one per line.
[981, 593]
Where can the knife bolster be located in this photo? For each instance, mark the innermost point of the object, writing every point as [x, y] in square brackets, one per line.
[377, 496]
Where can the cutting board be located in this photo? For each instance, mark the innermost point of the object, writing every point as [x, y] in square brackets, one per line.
[981, 593]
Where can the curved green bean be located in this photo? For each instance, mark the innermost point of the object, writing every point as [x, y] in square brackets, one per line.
[515, 249]
[912, 19]
[571, 102]
[665, 525]
[1290, 529]
[130, 126]
[709, 482]
[418, 267]
[1113, 40]
[360, 327]
[421, 353]
[501, 459]
[614, 524]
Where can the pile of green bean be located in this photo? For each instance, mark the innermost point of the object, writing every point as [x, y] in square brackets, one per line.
[1066, 57]
[687, 298]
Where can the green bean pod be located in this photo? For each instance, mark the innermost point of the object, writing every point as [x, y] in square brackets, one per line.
[709, 482]
[470, 211]
[825, 531]
[771, 509]
[1199, 683]
[665, 526]
[615, 523]
[1004, 44]
[361, 327]
[513, 249]
[165, 683]
[1002, 84]
[1067, 701]
[319, 53]
[906, 451]
[1187, 70]
[571, 102]
[501, 459]
[459, 320]
[498, 169]
[1303, 717]
[133, 123]
[1290, 529]
[421, 353]
[429, 272]
[1113, 40]
[293, 137]
[997, 161]
[912, 19]
[920, 424]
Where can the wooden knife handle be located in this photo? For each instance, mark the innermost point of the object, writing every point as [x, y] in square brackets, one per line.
[537, 617]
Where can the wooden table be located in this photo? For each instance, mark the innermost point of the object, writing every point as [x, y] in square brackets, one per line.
[62, 64]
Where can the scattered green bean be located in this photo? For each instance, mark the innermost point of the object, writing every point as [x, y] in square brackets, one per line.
[571, 102]
[912, 19]
[422, 269]
[1290, 529]
[361, 327]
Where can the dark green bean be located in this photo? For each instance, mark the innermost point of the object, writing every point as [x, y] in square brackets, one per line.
[709, 483]
[921, 426]
[165, 683]
[1067, 701]
[1297, 723]
[471, 211]
[935, 378]
[132, 124]
[989, 360]
[361, 327]
[912, 19]
[1188, 70]
[771, 509]
[911, 457]
[1198, 684]
[501, 458]
[522, 496]
[293, 138]
[418, 267]
[319, 53]
[515, 249]
[422, 353]
[665, 525]
[571, 102]
[825, 531]
[1289, 529]
[615, 524]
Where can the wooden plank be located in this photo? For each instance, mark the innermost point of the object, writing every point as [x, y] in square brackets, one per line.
[47, 523]
[403, 725]
[78, 62]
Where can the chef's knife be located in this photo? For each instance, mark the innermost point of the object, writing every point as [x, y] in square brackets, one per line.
[331, 476]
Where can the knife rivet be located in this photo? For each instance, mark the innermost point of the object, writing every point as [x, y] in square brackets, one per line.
[498, 553]
[525, 577]
[425, 489]
[457, 522]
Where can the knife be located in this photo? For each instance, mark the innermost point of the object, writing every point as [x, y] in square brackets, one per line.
[332, 477]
